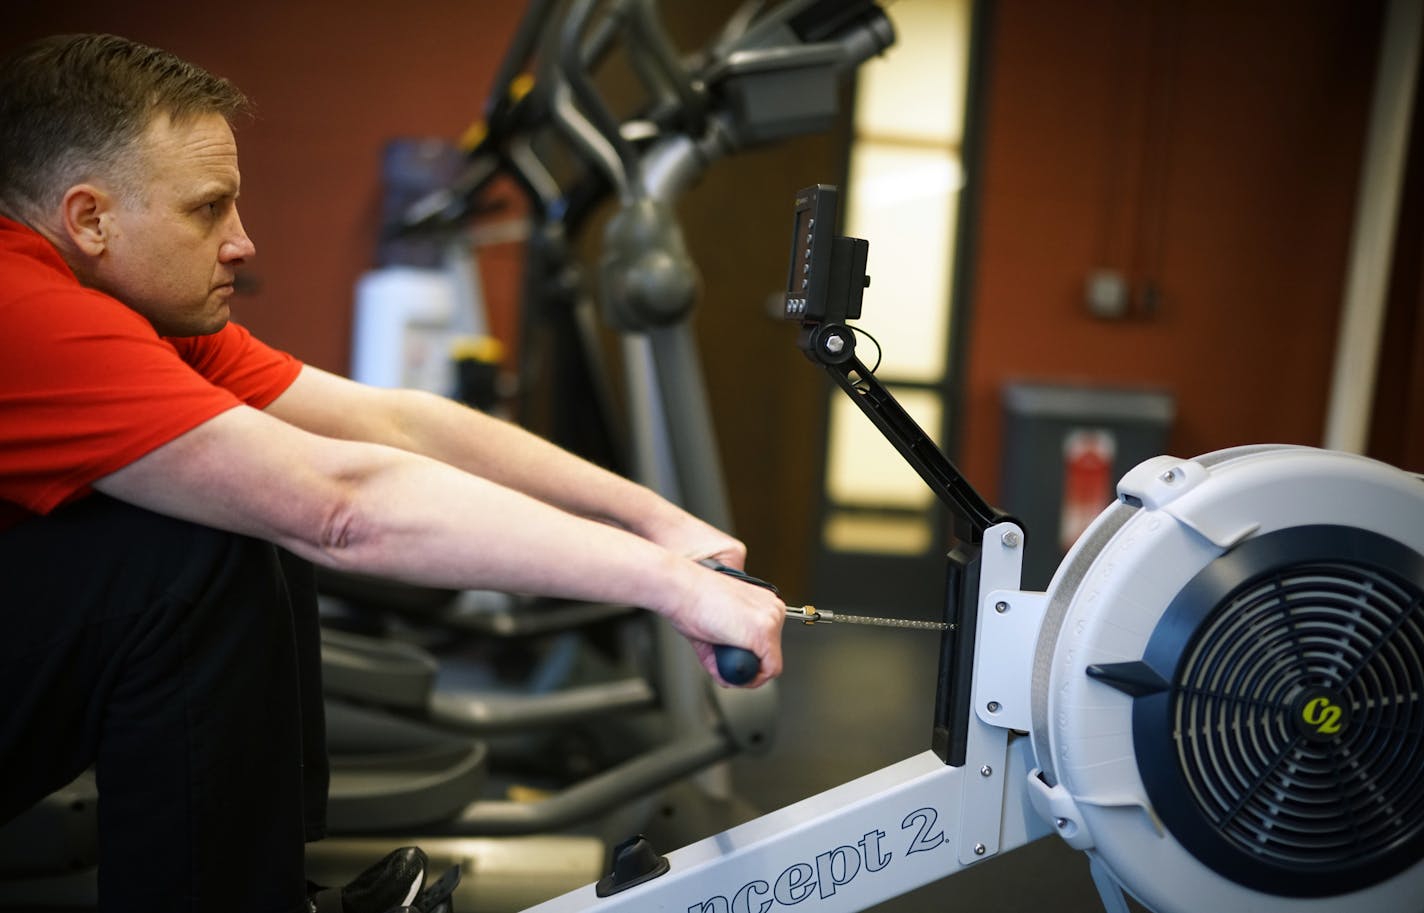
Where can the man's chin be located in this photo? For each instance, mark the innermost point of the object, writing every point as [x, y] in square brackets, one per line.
[201, 325]
[215, 325]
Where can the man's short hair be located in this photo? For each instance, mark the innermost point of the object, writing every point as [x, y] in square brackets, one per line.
[73, 108]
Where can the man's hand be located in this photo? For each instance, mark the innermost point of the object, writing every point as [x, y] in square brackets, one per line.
[720, 609]
[684, 534]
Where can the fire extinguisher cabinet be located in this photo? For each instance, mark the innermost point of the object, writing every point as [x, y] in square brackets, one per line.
[1065, 446]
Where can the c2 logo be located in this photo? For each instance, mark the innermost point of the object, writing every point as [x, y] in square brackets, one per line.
[1321, 714]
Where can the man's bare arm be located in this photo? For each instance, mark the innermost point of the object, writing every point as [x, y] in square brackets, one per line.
[444, 430]
[387, 511]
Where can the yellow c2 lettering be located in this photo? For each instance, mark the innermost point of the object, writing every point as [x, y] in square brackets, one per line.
[1322, 714]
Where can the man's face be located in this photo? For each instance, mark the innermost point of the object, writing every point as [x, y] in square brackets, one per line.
[174, 241]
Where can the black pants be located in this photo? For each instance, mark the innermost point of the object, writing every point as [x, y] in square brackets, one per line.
[183, 664]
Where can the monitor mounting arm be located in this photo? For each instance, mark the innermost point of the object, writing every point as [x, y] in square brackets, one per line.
[823, 291]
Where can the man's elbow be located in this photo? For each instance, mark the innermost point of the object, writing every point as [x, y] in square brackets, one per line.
[335, 530]
[355, 515]
[339, 527]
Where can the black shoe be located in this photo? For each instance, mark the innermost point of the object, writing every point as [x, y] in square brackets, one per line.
[391, 884]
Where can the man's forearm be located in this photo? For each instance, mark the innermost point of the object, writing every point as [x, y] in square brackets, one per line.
[414, 518]
[505, 453]
[418, 519]
[483, 446]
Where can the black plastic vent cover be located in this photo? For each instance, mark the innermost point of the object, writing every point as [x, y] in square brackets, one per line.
[1288, 754]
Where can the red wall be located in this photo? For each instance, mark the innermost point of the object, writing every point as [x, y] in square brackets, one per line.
[1211, 149]
[332, 82]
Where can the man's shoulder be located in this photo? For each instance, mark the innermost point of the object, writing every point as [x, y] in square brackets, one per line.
[32, 303]
[39, 293]
[27, 256]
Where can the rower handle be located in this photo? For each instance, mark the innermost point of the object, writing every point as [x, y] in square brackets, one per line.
[737, 665]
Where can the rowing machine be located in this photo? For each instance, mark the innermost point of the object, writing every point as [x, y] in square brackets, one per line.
[1219, 698]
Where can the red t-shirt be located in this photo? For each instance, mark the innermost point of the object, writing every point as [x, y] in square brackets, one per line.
[87, 385]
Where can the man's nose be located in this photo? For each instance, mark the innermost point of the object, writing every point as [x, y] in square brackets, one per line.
[238, 245]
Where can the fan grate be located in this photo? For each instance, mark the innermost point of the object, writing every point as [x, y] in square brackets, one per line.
[1298, 716]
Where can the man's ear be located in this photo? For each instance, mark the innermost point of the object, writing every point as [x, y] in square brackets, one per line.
[85, 212]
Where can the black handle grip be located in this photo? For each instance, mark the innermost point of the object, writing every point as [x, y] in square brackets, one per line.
[737, 665]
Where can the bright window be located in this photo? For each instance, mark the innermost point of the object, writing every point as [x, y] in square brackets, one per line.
[903, 197]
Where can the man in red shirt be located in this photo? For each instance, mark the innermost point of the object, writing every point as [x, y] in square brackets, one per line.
[159, 469]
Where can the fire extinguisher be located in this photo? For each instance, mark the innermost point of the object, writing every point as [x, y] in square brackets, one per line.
[1087, 481]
